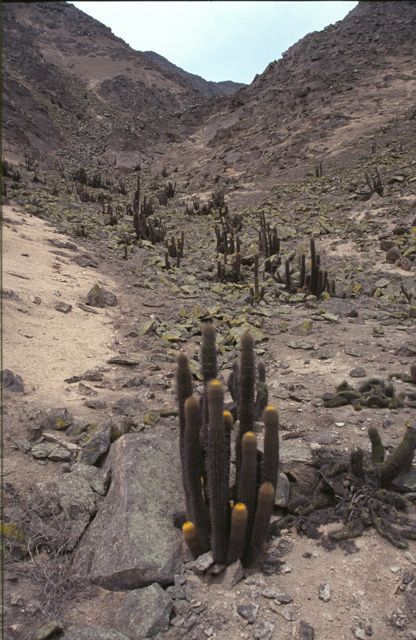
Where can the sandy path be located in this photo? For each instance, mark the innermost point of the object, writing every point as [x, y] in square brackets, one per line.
[41, 344]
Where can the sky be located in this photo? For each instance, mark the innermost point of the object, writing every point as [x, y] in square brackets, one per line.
[219, 39]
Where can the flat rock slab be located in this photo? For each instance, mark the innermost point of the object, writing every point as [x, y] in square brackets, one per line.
[132, 542]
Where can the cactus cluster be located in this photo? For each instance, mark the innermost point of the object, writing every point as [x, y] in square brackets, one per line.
[269, 243]
[174, 249]
[232, 521]
[373, 392]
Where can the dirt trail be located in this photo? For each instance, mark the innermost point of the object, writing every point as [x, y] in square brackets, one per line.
[42, 344]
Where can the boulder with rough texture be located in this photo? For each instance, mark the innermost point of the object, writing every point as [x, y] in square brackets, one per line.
[94, 442]
[100, 297]
[145, 612]
[132, 542]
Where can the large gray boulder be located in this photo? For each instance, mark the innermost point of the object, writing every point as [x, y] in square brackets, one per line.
[132, 542]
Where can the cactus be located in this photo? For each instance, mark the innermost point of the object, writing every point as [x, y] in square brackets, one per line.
[196, 508]
[238, 532]
[191, 538]
[218, 472]
[400, 460]
[205, 454]
[377, 449]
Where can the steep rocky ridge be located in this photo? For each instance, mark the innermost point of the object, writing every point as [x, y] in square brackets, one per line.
[70, 84]
[330, 97]
[207, 87]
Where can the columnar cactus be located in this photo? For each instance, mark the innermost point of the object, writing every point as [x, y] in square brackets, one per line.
[232, 531]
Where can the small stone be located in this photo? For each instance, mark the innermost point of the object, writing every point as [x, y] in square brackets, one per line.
[325, 592]
[100, 297]
[125, 362]
[285, 568]
[282, 491]
[353, 350]
[94, 403]
[47, 631]
[248, 612]
[86, 390]
[263, 630]
[232, 575]
[11, 381]
[288, 613]
[63, 307]
[359, 633]
[393, 254]
[358, 372]
[410, 557]
[145, 612]
[304, 632]
[202, 563]
[94, 442]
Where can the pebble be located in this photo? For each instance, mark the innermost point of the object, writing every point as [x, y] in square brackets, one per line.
[325, 592]
[263, 631]
[304, 631]
[248, 612]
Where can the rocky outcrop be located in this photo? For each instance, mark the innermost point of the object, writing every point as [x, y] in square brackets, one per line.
[132, 542]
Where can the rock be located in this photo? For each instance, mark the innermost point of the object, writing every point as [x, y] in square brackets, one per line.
[94, 442]
[86, 308]
[202, 563]
[406, 264]
[92, 376]
[358, 372]
[248, 612]
[94, 403]
[132, 543]
[55, 419]
[48, 631]
[12, 381]
[232, 575]
[93, 633]
[393, 254]
[282, 491]
[353, 350]
[63, 307]
[304, 631]
[145, 612]
[85, 390]
[100, 297]
[408, 351]
[263, 630]
[85, 261]
[325, 592]
[405, 482]
[98, 479]
[288, 613]
[386, 245]
[75, 495]
[125, 362]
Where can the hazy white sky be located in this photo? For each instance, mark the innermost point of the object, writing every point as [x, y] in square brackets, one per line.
[220, 39]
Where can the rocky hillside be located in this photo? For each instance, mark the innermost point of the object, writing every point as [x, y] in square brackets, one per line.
[331, 97]
[71, 85]
[206, 87]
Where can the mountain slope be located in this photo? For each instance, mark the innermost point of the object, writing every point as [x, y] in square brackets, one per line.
[206, 87]
[328, 98]
[68, 79]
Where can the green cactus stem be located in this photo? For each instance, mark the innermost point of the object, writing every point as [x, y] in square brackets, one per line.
[271, 445]
[377, 449]
[196, 508]
[247, 477]
[247, 386]
[183, 390]
[400, 460]
[208, 353]
[218, 472]
[191, 538]
[236, 545]
[261, 521]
